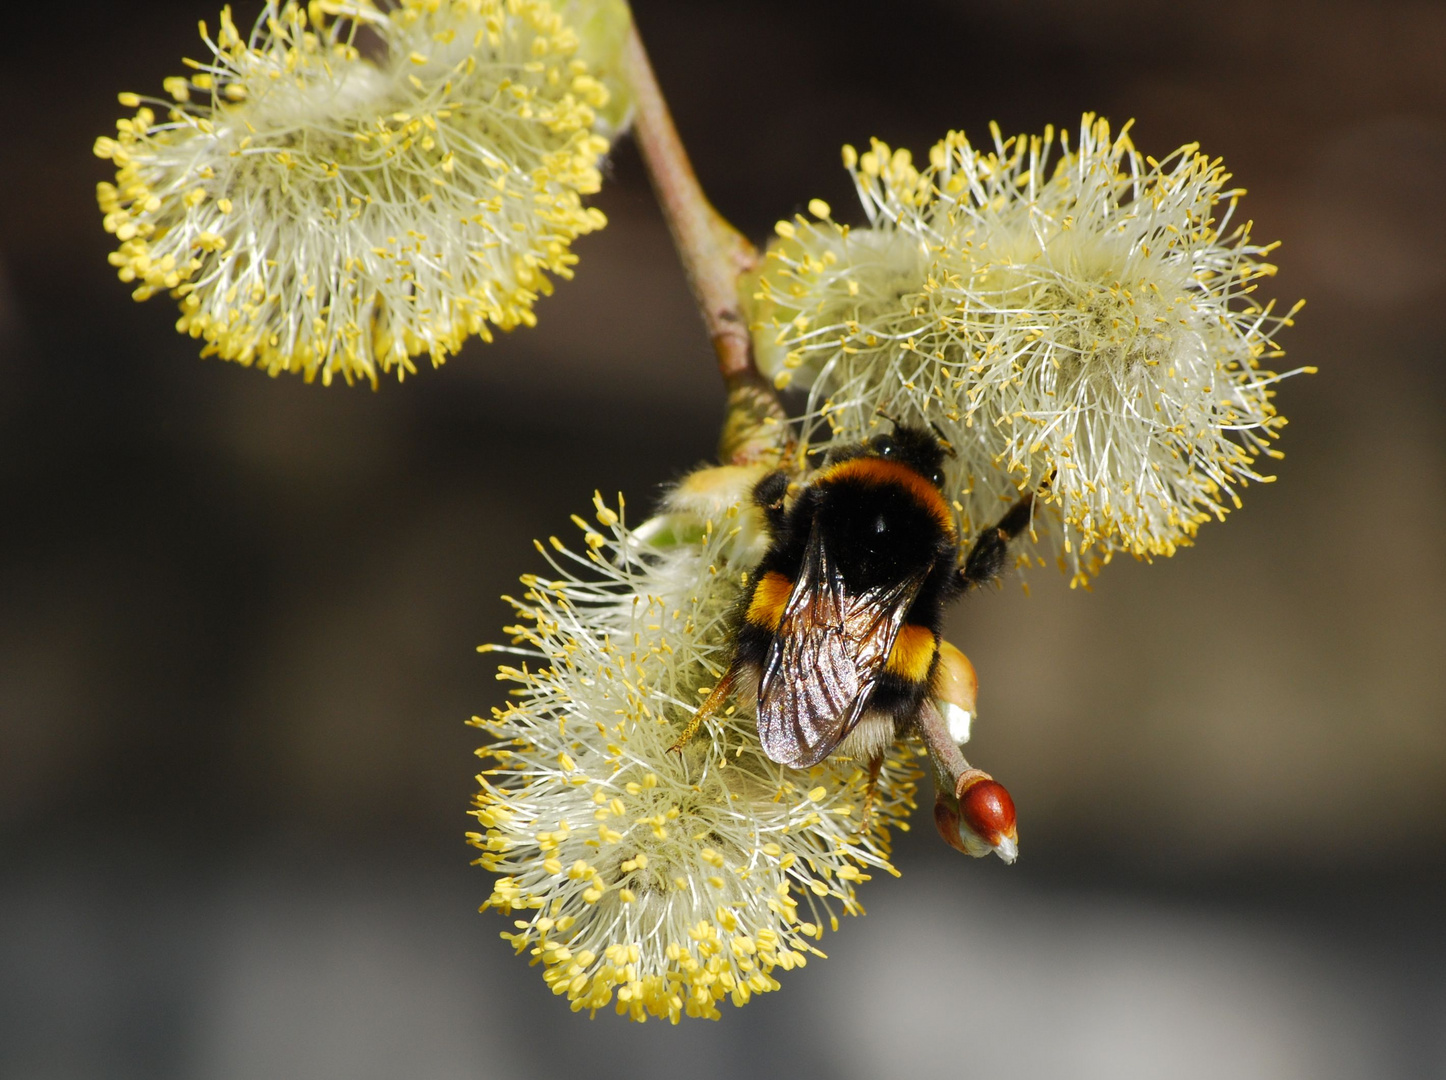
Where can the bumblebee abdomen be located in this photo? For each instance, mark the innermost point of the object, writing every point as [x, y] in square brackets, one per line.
[769, 598]
[911, 659]
[762, 612]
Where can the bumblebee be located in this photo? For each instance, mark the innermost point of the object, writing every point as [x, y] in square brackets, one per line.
[838, 633]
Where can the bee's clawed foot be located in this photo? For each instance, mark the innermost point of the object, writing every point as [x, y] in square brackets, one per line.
[867, 816]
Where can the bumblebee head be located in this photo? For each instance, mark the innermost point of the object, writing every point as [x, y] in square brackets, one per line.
[919, 449]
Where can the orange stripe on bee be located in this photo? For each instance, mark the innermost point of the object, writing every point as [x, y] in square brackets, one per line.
[913, 653]
[877, 471]
[770, 597]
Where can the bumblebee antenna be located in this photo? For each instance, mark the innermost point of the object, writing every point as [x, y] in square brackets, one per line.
[938, 431]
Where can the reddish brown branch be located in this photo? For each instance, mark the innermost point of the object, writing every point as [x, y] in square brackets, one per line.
[714, 255]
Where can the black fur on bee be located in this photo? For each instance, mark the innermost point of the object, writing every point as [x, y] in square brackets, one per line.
[838, 632]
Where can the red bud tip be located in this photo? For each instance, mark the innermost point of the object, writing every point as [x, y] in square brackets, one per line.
[986, 808]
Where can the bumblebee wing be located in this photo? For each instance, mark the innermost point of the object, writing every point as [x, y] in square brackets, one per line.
[826, 655]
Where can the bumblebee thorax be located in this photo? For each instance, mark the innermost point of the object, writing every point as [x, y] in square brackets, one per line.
[867, 486]
[878, 529]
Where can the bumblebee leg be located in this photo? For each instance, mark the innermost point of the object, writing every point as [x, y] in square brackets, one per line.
[708, 708]
[768, 495]
[875, 767]
[991, 550]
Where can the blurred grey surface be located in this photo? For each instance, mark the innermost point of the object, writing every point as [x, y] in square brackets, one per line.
[237, 615]
[297, 962]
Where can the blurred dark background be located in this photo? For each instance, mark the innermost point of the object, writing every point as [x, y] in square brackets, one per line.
[237, 615]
